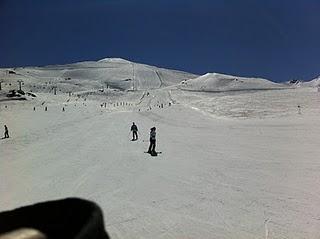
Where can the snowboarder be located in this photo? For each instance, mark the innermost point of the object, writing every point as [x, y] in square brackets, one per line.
[6, 132]
[134, 130]
[152, 146]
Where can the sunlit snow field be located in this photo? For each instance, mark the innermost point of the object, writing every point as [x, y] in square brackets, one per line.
[242, 164]
[255, 104]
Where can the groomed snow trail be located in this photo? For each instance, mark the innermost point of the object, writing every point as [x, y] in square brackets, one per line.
[215, 178]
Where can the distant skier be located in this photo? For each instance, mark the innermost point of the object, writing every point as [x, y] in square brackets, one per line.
[6, 132]
[299, 109]
[152, 146]
[134, 130]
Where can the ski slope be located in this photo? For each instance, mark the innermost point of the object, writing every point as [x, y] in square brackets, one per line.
[235, 164]
[113, 73]
[313, 83]
[215, 82]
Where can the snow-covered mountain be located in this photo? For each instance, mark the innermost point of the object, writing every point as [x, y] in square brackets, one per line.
[109, 72]
[313, 83]
[233, 165]
[215, 82]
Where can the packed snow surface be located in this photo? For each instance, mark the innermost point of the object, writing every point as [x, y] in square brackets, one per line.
[219, 82]
[313, 83]
[240, 164]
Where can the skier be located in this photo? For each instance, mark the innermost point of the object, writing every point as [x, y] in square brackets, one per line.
[134, 130]
[6, 132]
[152, 146]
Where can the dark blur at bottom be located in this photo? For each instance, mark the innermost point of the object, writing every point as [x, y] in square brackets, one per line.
[69, 218]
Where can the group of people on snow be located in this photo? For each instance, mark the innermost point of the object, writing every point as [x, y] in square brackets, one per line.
[152, 145]
[134, 130]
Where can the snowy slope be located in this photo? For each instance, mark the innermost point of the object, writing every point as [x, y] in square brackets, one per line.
[216, 178]
[215, 82]
[109, 72]
[313, 83]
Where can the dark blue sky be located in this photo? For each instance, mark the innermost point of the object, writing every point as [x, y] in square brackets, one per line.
[275, 39]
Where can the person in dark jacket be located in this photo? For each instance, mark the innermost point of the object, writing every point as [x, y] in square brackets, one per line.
[134, 130]
[152, 146]
[6, 132]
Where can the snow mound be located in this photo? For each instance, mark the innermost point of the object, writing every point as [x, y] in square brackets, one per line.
[313, 83]
[215, 82]
[114, 60]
